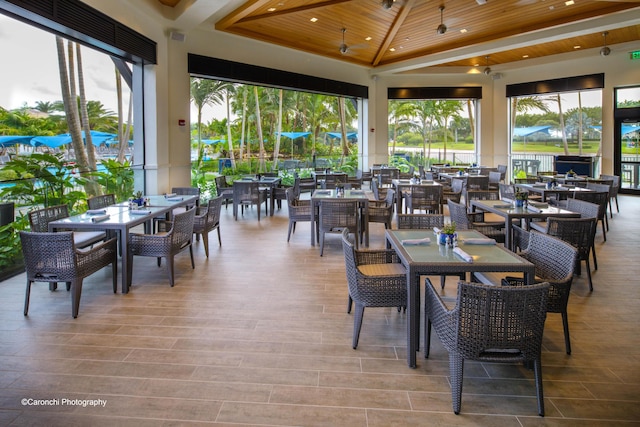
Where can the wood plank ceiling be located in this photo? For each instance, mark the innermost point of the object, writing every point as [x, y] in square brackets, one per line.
[365, 32]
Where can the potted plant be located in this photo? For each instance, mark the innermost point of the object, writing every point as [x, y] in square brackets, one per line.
[521, 197]
[447, 234]
[138, 199]
[570, 174]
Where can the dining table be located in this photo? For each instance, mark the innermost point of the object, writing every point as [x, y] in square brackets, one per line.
[121, 218]
[507, 210]
[323, 194]
[266, 183]
[430, 258]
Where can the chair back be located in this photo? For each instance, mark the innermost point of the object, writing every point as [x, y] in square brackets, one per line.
[500, 323]
[221, 184]
[246, 192]
[388, 174]
[375, 188]
[507, 191]
[503, 171]
[600, 198]
[458, 214]
[427, 197]
[182, 229]
[420, 221]
[477, 182]
[494, 178]
[579, 232]
[211, 219]
[584, 208]
[338, 213]
[553, 258]
[99, 202]
[39, 219]
[49, 256]
[481, 195]
[615, 183]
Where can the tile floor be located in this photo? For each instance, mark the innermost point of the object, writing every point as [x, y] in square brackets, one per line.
[258, 334]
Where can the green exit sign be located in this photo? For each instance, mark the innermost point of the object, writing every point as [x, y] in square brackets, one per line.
[635, 54]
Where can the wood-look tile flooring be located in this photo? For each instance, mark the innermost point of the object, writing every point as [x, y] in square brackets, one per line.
[258, 334]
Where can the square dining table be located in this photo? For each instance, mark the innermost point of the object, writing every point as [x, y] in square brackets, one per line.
[359, 195]
[267, 183]
[560, 191]
[434, 259]
[509, 212]
[120, 218]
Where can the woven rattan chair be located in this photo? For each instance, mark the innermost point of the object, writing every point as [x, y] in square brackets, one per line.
[554, 261]
[375, 279]
[247, 193]
[53, 257]
[586, 210]
[602, 186]
[503, 172]
[613, 193]
[600, 198]
[279, 193]
[206, 220]
[507, 191]
[165, 244]
[477, 182]
[382, 212]
[379, 193]
[224, 189]
[336, 215]
[424, 197]
[299, 210]
[39, 222]
[475, 221]
[452, 193]
[580, 232]
[100, 202]
[488, 324]
[495, 178]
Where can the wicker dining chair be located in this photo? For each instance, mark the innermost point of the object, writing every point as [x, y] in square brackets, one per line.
[507, 191]
[382, 212]
[375, 278]
[206, 220]
[299, 211]
[39, 220]
[488, 324]
[554, 262]
[475, 221]
[53, 257]
[424, 197]
[613, 193]
[100, 202]
[247, 193]
[224, 189]
[165, 244]
[600, 198]
[336, 215]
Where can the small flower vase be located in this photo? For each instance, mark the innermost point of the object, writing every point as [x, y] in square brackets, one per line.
[446, 239]
[139, 201]
[519, 203]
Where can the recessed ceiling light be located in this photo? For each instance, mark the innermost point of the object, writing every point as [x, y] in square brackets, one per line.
[569, 2]
[463, 30]
[476, 65]
[577, 47]
[271, 9]
[525, 56]
[393, 49]
[368, 38]
[313, 19]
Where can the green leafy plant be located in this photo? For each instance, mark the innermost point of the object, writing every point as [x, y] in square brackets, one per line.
[449, 228]
[10, 247]
[117, 178]
[521, 195]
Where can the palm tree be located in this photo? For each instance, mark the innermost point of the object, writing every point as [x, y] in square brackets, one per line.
[258, 120]
[399, 111]
[425, 111]
[447, 109]
[204, 92]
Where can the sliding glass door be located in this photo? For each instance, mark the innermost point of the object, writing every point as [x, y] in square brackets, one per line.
[627, 138]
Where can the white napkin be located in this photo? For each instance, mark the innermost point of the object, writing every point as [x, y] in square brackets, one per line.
[175, 199]
[533, 208]
[479, 241]
[436, 230]
[503, 206]
[139, 212]
[462, 254]
[357, 192]
[99, 218]
[424, 241]
[539, 204]
[166, 196]
[96, 211]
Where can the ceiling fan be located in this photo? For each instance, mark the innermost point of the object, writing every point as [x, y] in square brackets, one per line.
[441, 28]
[343, 46]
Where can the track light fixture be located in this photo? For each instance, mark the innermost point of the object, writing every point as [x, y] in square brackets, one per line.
[387, 4]
[605, 51]
[441, 28]
[487, 70]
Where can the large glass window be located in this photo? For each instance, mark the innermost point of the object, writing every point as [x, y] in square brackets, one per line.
[546, 126]
[627, 137]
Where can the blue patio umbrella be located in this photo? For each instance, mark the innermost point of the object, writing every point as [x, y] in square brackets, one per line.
[51, 141]
[528, 131]
[294, 135]
[212, 141]
[350, 135]
[10, 140]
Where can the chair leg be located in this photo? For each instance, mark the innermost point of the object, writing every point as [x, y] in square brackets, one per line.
[565, 326]
[537, 368]
[205, 242]
[291, 225]
[595, 261]
[604, 232]
[456, 368]
[170, 269]
[76, 291]
[357, 324]
[114, 273]
[219, 237]
[589, 274]
[193, 266]
[617, 207]
[349, 304]
[26, 297]
[321, 243]
[427, 336]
